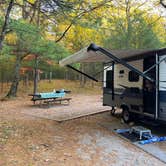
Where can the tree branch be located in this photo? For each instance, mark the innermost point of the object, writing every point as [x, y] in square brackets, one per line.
[34, 12]
[79, 17]
[64, 33]
[6, 22]
[162, 3]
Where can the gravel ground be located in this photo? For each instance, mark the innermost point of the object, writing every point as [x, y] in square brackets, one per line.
[30, 140]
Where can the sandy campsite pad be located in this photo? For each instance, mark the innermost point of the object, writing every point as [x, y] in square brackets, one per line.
[78, 107]
[27, 139]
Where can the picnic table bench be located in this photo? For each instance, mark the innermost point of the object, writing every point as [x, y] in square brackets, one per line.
[58, 100]
[50, 97]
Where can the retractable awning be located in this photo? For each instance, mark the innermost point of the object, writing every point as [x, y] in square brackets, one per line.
[97, 56]
[96, 53]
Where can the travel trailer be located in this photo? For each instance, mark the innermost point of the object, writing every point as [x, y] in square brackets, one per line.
[133, 80]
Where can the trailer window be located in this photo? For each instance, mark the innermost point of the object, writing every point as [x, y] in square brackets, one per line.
[109, 79]
[133, 76]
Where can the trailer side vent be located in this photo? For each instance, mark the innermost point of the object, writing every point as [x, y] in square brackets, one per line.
[121, 72]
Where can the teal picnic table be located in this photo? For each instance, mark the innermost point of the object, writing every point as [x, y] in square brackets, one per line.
[50, 97]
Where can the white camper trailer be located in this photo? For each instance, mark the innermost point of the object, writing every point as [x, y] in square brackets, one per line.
[134, 80]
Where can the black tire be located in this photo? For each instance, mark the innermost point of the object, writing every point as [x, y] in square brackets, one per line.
[126, 115]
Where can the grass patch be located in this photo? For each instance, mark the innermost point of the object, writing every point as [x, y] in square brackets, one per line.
[46, 86]
[73, 86]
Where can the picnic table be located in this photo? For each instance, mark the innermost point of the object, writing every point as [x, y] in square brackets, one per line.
[50, 97]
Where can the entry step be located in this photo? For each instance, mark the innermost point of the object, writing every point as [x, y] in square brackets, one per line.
[140, 130]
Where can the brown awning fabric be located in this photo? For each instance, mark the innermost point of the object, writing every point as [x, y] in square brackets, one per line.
[92, 56]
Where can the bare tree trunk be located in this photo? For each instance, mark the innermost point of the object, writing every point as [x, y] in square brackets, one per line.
[35, 75]
[128, 28]
[82, 77]
[36, 61]
[66, 74]
[93, 69]
[45, 76]
[50, 76]
[13, 89]
[34, 11]
[24, 10]
[2, 80]
[26, 79]
[38, 12]
[4, 28]
[38, 76]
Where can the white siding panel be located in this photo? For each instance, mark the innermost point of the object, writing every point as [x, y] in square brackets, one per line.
[162, 74]
[123, 78]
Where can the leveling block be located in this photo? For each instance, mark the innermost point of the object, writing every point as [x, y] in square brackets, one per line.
[135, 137]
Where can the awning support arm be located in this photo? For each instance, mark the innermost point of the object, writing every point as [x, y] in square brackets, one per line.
[90, 77]
[153, 66]
[93, 47]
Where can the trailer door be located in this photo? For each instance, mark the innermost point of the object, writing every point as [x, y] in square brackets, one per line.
[109, 79]
[108, 86]
[162, 89]
[149, 88]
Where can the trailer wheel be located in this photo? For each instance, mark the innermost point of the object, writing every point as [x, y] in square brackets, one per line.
[126, 115]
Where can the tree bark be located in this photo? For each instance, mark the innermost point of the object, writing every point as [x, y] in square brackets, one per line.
[45, 76]
[35, 75]
[2, 80]
[26, 79]
[50, 76]
[13, 89]
[4, 28]
[38, 13]
[82, 77]
[128, 28]
[36, 58]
